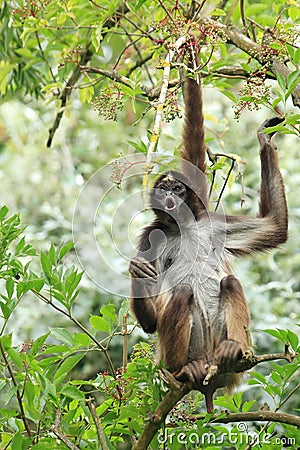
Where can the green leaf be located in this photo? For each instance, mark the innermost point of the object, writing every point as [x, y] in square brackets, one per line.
[297, 56]
[72, 282]
[276, 377]
[65, 249]
[293, 339]
[64, 335]
[25, 286]
[293, 13]
[46, 265]
[86, 94]
[230, 95]
[96, 38]
[82, 339]
[9, 394]
[72, 392]
[140, 147]
[52, 255]
[259, 377]
[281, 82]
[217, 12]
[108, 311]
[16, 357]
[8, 413]
[56, 349]
[38, 344]
[99, 323]
[246, 406]
[67, 366]
[278, 334]
[3, 212]
[6, 341]
[10, 286]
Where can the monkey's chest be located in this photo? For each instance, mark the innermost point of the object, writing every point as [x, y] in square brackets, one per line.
[195, 257]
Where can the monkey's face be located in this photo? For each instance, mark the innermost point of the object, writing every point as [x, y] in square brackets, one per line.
[168, 196]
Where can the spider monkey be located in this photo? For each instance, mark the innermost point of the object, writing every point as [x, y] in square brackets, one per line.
[182, 283]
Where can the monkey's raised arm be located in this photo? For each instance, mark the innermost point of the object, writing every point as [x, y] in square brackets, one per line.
[194, 148]
[247, 235]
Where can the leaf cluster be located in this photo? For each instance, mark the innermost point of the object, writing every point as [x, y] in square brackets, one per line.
[47, 402]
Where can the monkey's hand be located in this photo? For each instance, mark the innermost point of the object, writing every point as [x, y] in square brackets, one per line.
[227, 353]
[139, 267]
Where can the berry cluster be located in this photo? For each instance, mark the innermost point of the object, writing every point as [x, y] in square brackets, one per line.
[30, 9]
[119, 170]
[171, 107]
[117, 387]
[252, 96]
[108, 103]
[72, 56]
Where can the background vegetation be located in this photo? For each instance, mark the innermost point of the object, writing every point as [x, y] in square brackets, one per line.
[80, 83]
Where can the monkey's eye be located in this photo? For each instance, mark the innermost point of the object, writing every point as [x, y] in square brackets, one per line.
[178, 189]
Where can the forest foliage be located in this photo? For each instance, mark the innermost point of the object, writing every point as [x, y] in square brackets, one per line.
[69, 375]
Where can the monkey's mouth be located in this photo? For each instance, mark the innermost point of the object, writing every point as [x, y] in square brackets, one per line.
[170, 204]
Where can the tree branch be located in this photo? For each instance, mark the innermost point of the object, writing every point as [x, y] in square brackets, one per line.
[57, 431]
[259, 416]
[76, 74]
[179, 390]
[85, 57]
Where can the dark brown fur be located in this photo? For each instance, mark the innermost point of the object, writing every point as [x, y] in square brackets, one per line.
[201, 318]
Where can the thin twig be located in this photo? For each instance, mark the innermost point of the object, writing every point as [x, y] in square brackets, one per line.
[57, 431]
[225, 184]
[242, 9]
[100, 432]
[125, 342]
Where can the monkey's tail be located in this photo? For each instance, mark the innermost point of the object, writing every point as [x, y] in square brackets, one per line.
[193, 135]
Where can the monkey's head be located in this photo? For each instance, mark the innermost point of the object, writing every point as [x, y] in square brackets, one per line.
[171, 197]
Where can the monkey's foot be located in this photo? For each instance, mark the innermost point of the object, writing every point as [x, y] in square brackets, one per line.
[193, 373]
[248, 354]
[227, 353]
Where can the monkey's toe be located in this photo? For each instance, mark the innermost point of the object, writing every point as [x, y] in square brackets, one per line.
[193, 373]
[227, 353]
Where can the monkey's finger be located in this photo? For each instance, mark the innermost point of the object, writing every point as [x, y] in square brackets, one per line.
[138, 271]
[141, 260]
[144, 270]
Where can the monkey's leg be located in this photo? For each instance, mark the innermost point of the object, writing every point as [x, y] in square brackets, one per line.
[237, 321]
[143, 277]
[183, 338]
[175, 326]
